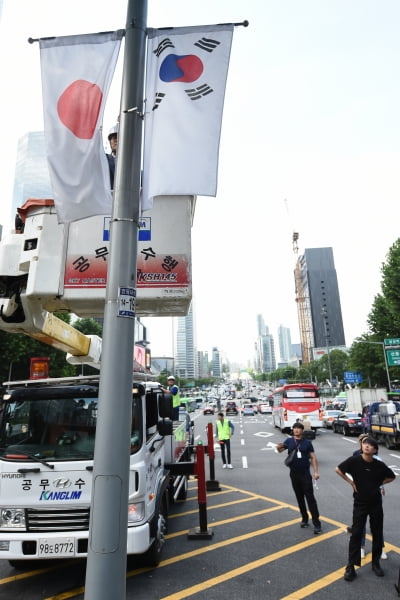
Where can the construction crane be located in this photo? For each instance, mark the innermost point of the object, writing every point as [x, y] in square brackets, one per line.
[303, 305]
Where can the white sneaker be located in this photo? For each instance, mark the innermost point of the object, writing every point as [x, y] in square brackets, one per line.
[383, 555]
[224, 466]
[230, 467]
[362, 552]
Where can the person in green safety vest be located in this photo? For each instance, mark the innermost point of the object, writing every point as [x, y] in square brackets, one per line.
[224, 430]
[176, 398]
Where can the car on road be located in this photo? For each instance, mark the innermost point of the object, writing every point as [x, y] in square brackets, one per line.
[264, 409]
[348, 423]
[231, 408]
[248, 410]
[328, 416]
[208, 410]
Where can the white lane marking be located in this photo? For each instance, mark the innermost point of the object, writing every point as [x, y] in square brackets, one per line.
[244, 462]
[242, 442]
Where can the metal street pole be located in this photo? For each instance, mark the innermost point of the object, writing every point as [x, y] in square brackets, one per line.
[325, 317]
[106, 563]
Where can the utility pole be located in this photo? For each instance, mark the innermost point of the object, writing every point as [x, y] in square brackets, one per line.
[325, 317]
[106, 562]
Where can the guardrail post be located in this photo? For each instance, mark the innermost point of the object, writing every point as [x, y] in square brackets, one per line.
[201, 532]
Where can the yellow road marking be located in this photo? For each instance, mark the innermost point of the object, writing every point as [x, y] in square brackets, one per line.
[297, 595]
[187, 592]
[232, 520]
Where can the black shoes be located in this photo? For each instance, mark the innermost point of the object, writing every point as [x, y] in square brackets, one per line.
[317, 529]
[304, 524]
[350, 573]
[377, 569]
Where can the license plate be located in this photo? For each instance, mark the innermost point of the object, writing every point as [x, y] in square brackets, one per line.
[56, 547]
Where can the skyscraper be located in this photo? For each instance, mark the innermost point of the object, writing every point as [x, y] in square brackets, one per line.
[32, 178]
[318, 302]
[265, 360]
[216, 363]
[186, 364]
[285, 344]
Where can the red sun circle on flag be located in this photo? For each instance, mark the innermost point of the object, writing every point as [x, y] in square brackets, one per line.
[78, 108]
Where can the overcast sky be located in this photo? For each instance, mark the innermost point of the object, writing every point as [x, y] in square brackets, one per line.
[311, 116]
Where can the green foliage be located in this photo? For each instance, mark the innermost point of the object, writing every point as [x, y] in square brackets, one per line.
[17, 349]
[366, 357]
[384, 318]
[89, 327]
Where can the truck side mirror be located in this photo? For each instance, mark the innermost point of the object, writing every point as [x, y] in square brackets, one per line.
[165, 405]
[165, 427]
[151, 409]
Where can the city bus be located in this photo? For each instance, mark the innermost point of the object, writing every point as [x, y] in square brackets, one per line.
[296, 401]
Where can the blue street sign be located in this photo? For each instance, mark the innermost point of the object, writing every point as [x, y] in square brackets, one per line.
[352, 377]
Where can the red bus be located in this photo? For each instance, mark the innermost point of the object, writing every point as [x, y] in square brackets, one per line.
[296, 401]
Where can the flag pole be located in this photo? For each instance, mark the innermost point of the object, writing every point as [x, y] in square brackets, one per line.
[106, 562]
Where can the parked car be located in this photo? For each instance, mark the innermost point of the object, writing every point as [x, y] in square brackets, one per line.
[265, 409]
[348, 423]
[328, 416]
[231, 408]
[248, 410]
[208, 410]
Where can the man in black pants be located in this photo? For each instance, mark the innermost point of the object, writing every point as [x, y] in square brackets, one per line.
[367, 477]
[300, 475]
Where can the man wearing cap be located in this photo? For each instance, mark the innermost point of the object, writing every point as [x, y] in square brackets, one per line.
[366, 476]
[300, 476]
[176, 398]
[113, 141]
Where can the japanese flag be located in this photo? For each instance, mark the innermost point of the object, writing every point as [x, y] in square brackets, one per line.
[76, 77]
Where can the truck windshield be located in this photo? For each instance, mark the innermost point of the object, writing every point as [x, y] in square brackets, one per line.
[61, 428]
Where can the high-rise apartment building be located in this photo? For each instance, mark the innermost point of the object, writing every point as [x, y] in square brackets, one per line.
[318, 302]
[32, 178]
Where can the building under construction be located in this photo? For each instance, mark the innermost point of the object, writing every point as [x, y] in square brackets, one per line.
[318, 302]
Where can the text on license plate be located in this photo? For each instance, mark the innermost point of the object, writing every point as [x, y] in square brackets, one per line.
[56, 547]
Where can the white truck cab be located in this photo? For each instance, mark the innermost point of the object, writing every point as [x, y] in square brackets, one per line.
[47, 438]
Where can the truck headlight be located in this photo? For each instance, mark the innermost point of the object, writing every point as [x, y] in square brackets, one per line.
[12, 518]
[135, 512]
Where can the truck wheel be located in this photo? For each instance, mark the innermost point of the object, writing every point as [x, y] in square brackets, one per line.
[389, 443]
[152, 557]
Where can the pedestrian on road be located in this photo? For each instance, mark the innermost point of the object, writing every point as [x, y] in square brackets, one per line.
[364, 535]
[366, 476]
[300, 475]
[224, 429]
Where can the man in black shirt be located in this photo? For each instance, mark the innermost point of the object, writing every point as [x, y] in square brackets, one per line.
[367, 477]
[300, 475]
